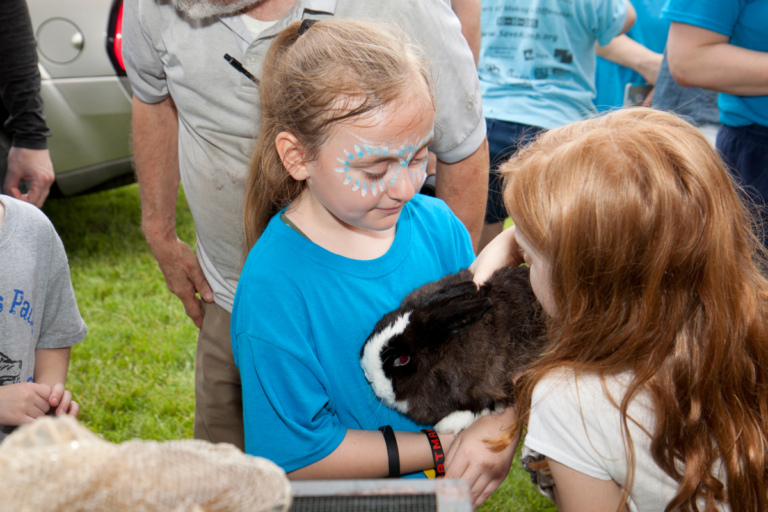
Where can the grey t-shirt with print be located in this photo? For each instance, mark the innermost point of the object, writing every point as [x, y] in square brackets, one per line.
[37, 302]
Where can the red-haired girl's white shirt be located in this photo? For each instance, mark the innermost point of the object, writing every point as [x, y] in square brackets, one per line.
[574, 422]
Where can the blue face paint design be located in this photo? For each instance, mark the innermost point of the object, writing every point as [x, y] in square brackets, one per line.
[378, 185]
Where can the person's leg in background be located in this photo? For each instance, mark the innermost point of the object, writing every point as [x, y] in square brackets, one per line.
[218, 392]
[504, 138]
[745, 150]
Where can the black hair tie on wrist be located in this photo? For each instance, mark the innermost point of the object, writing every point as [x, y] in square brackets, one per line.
[305, 25]
[393, 455]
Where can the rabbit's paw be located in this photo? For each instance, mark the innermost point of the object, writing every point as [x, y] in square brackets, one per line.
[458, 421]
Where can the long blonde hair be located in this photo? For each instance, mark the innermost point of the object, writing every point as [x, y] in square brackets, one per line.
[657, 269]
[335, 70]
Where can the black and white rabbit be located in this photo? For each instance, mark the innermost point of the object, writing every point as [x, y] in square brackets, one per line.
[448, 354]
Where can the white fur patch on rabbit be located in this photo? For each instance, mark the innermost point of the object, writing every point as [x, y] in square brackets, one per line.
[458, 421]
[371, 362]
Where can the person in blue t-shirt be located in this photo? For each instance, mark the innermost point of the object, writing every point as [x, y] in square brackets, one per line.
[631, 58]
[537, 71]
[721, 45]
[337, 239]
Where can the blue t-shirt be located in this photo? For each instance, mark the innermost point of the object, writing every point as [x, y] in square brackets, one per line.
[300, 318]
[650, 30]
[537, 57]
[745, 23]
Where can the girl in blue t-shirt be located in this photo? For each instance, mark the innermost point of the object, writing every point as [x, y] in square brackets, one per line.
[337, 238]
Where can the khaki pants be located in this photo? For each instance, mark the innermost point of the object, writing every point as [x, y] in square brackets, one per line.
[218, 393]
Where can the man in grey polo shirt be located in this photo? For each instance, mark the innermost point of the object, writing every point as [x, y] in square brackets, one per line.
[195, 117]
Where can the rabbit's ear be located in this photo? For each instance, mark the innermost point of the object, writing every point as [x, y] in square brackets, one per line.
[451, 292]
[458, 315]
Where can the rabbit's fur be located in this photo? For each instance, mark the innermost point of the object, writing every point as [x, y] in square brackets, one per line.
[448, 354]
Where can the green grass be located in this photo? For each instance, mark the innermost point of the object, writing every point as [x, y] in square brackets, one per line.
[517, 493]
[134, 373]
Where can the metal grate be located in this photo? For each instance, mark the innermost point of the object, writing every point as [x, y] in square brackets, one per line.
[392, 503]
[385, 495]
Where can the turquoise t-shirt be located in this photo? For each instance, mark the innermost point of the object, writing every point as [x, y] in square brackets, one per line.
[537, 57]
[650, 30]
[300, 318]
[745, 22]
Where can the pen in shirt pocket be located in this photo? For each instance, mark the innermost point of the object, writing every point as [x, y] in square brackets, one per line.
[238, 66]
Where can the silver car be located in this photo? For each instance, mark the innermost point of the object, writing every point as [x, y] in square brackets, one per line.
[85, 91]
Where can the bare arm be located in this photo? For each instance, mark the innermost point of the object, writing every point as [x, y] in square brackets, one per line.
[502, 251]
[155, 141]
[51, 366]
[702, 58]
[363, 454]
[468, 12]
[464, 187]
[575, 491]
[625, 51]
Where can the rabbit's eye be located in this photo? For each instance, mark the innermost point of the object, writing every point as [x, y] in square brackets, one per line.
[402, 360]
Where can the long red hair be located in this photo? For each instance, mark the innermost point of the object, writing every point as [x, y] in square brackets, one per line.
[657, 269]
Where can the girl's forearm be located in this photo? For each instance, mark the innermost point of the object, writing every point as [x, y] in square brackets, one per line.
[363, 454]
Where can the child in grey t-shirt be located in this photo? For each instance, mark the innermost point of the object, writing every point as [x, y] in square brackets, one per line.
[39, 319]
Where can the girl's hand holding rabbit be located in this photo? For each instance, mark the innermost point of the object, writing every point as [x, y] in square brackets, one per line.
[471, 459]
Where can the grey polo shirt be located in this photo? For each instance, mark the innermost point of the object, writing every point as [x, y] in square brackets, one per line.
[166, 53]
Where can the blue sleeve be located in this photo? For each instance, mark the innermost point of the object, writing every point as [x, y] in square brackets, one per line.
[285, 406]
[604, 18]
[286, 412]
[716, 15]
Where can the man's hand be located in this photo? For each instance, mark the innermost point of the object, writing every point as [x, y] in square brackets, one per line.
[471, 459]
[155, 147]
[34, 166]
[183, 275]
[23, 403]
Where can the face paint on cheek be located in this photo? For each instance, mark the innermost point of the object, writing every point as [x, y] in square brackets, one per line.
[405, 154]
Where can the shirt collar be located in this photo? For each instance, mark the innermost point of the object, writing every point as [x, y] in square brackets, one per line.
[325, 6]
[304, 6]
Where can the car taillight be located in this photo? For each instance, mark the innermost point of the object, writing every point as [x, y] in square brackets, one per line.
[115, 37]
